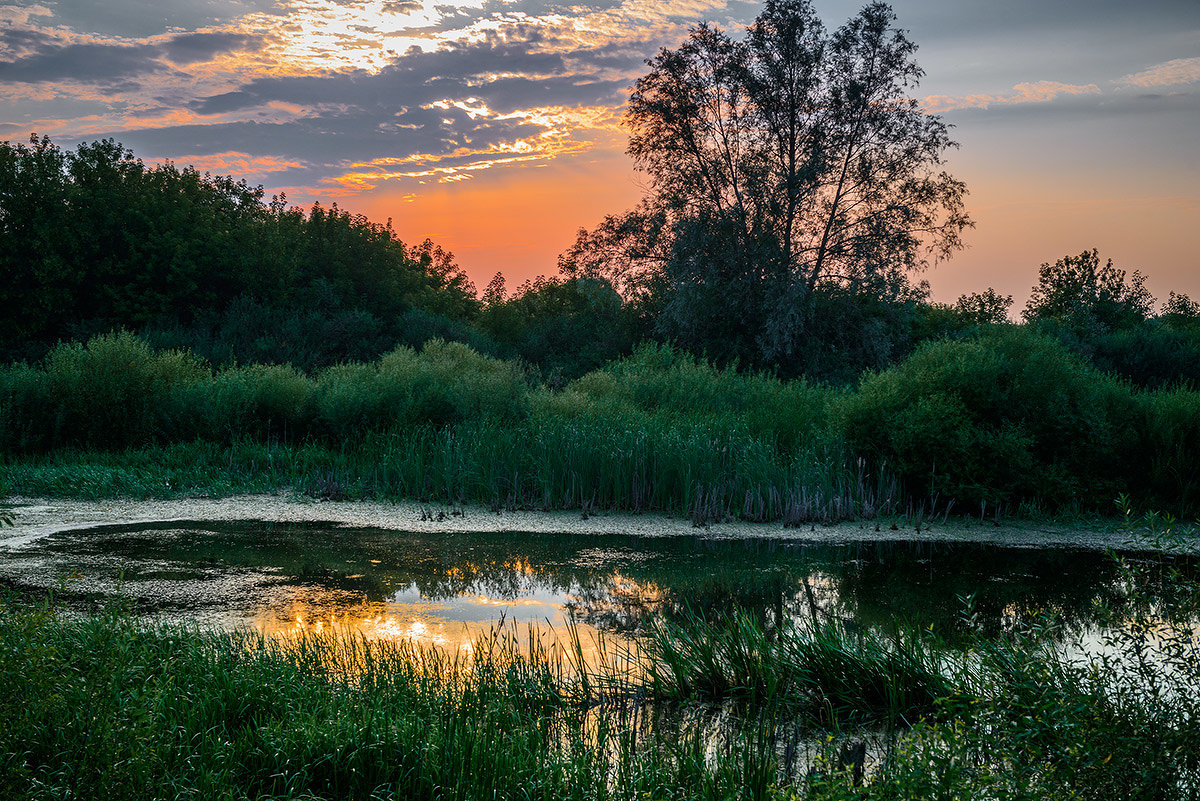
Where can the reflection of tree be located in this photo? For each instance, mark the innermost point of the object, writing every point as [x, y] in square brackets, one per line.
[620, 583]
[928, 583]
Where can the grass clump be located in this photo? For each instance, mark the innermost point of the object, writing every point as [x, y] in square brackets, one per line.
[821, 670]
[101, 708]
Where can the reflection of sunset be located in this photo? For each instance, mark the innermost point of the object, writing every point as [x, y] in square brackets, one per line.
[423, 626]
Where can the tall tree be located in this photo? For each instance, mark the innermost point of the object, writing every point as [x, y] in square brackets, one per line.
[779, 164]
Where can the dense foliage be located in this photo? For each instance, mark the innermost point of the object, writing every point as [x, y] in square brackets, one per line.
[93, 239]
[1004, 418]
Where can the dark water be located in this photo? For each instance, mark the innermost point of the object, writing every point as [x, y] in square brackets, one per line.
[444, 588]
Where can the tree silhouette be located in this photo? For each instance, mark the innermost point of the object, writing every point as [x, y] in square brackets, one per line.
[788, 161]
[1081, 293]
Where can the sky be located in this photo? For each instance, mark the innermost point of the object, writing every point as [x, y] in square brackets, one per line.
[494, 127]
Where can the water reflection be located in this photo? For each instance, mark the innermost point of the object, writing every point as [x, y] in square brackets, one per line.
[446, 588]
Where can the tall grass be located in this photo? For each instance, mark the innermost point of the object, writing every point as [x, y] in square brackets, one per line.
[821, 670]
[660, 432]
[100, 708]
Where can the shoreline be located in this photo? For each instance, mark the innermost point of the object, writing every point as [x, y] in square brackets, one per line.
[36, 518]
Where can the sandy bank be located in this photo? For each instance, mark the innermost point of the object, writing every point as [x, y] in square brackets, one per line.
[35, 518]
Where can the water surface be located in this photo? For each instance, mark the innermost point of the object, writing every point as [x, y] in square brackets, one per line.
[446, 588]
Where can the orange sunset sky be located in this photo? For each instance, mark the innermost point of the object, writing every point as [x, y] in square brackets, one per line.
[494, 126]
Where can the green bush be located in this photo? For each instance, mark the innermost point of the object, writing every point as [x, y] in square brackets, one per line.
[113, 391]
[657, 379]
[259, 401]
[445, 383]
[1171, 449]
[1006, 416]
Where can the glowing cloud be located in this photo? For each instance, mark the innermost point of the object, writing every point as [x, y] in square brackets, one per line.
[1035, 92]
[234, 163]
[1170, 73]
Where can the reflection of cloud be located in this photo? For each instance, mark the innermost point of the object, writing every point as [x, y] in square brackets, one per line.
[1034, 92]
[1170, 73]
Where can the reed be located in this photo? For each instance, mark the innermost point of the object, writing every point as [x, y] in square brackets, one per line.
[822, 670]
[101, 708]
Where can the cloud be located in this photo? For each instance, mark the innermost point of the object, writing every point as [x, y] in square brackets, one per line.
[189, 48]
[16, 42]
[84, 63]
[39, 57]
[354, 93]
[1035, 92]
[20, 14]
[1170, 73]
[243, 164]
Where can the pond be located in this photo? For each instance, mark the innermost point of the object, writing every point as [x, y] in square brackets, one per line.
[445, 588]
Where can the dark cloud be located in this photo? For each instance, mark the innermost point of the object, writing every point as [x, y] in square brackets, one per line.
[458, 72]
[140, 18]
[361, 116]
[16, 42]
[188, 48]
[44, 58]
[333, 141]
[224, 103]
[953, 19]
[87, 63]
[1098, 108]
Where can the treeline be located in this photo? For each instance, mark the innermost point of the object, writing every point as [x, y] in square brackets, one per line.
[93, 240]
[211, 316]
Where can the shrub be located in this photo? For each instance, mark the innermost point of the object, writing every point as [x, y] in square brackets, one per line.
[445, 383]
[1172, 451]
[259, 400]
[658, 379]
[1006, 416]
[113, 391]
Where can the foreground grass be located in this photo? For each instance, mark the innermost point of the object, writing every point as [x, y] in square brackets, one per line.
[101, 707]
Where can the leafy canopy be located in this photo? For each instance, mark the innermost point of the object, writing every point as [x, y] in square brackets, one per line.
[780, 164]
[1080, 292]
